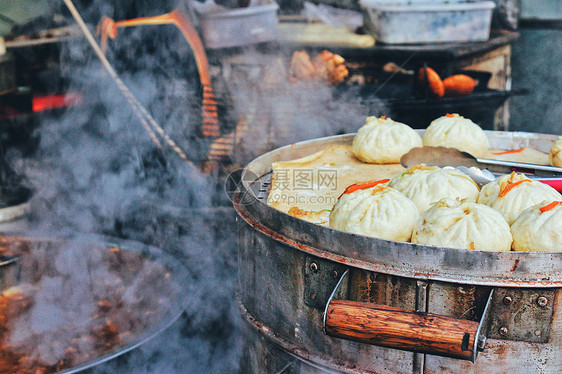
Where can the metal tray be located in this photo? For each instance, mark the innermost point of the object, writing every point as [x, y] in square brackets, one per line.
[512, 269]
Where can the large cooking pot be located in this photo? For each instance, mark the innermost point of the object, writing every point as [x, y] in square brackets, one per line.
[321, 300]
[68, 305]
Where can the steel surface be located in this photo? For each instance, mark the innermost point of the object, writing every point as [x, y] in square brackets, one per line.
[283, 261]
[510, 269]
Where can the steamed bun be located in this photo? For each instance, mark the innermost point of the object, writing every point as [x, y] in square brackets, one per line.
[427, 184]
[384, 141]
[539, 228]
[463, 224]
[378, 211]
[555, 154]
[455, 131]
[511, 194]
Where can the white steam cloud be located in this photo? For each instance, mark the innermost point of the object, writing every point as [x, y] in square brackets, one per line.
[96, 171]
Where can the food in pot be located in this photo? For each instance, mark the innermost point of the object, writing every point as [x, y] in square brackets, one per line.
[511, 194]
[311, 185]
[453, 130]
[319, 217]
[427, 77]
[375, 209]
[77, 302]
[425, 185]
[458, 85]
[462, 224]
[539, 228]
[555, 154]
[384, 141]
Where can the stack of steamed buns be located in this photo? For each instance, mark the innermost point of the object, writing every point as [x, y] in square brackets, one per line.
[444, 207]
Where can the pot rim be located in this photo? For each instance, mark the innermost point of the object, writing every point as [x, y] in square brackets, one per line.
[175, 267]
[490, 268]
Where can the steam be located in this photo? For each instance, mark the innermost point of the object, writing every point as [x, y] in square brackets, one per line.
[284, 112]
[96, 171]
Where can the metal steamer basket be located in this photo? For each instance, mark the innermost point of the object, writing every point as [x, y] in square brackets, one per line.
[320, 300]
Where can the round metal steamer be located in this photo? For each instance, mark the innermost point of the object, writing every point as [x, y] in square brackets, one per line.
[10, 275]
[406, 296]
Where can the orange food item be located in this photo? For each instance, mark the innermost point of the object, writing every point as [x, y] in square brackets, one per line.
[510, 186]
[459, 85]
[433, 80]
[300, 67]
[326, 66]
[363, 186]
[330, 67]
[317, 216]
[508, 152]
[550, 206]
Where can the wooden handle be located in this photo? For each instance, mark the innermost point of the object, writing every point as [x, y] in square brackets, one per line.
[401, 328]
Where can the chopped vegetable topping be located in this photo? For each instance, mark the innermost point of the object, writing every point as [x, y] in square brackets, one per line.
[295, 211]
[383, 117]
[507, 152]
[550, 206]
[415, 168]
[510, 186]
[363, 186]
[449, 115]
[298, 212]
[441, 204]
[378, 189]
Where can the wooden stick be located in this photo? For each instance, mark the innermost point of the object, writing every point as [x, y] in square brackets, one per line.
[146, 119]
[402, 329]
[108, 28]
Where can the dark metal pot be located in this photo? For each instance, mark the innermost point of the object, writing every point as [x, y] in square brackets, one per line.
[506, 304]
[110, 295]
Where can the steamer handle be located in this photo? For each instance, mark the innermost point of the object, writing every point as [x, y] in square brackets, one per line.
[404, 329]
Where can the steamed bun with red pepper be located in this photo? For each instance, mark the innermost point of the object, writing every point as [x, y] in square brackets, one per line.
[462, 224]
[555, 154]
[511, 194]
[384, 141]
[539, 228]
[455, 131]
[375, 209]
[425, 185]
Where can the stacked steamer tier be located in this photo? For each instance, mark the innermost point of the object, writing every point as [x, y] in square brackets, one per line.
[401, 307]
